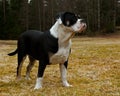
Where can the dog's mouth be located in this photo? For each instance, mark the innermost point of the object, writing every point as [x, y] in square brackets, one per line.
[82, 27]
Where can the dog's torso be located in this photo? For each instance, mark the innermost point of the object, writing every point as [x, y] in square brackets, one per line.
[39, 45]
[45, 45]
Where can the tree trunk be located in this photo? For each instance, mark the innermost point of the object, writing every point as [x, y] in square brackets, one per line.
[4, 11]
[98, 15]
[114, 19]
[39, 15]
[27, 16]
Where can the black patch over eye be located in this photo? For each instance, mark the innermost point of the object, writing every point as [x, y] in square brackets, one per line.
[69, 17]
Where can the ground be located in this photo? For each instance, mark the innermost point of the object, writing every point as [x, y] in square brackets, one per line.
[94, 70]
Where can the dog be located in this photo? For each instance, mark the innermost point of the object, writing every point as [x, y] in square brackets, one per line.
[50, 47]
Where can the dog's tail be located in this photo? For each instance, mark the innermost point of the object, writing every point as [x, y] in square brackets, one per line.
[13, 53]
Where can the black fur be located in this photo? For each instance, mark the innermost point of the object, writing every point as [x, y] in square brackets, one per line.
[37, 45]
[67, 17]
[13, 53]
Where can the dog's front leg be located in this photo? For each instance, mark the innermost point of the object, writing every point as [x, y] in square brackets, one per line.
[41, 69]
[63, 70]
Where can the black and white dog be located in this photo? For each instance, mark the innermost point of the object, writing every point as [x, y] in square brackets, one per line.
[51, 47]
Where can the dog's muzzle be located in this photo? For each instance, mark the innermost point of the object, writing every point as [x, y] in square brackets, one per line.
[84, 23]
[82, 26]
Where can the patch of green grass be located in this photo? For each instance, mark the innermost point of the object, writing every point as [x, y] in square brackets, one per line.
[94, 70]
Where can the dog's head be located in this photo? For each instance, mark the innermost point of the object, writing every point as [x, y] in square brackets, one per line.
[71, 21]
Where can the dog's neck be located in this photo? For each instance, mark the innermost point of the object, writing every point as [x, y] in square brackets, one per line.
[59, 31]
[54, 30]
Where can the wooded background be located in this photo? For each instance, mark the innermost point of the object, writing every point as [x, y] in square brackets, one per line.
[16, 16]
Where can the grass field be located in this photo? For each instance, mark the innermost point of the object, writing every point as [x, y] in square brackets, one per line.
[94, 70]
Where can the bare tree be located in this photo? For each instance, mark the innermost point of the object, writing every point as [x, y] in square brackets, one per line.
[39, 15]
[114, 21]
[24, 14]
[98, 15]
[4, 10]
[27, 15]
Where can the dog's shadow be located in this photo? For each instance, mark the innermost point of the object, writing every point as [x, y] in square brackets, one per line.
[25, 84]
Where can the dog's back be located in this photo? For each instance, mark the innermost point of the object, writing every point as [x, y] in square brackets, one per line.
[30, 43]
[36, 44]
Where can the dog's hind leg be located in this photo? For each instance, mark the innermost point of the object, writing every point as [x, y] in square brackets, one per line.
[21, 59]
[29, 67]
[63, 70]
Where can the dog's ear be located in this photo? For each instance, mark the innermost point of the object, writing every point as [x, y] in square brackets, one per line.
[61, 18]
[60, 21]
[58, 17]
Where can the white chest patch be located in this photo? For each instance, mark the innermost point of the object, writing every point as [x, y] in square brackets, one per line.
[64, 42]
[61, 56]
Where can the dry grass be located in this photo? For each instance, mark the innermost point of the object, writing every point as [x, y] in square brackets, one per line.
[94, 70]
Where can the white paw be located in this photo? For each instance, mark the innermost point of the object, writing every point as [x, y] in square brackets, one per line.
[69, 85]
[66, 84]
[38, 84]
[37, 87]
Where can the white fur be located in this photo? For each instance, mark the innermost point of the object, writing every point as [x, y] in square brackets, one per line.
[38, 83]
[64, 43]
[55, 28]
[78, 26]
[64, 35]
[61, 56]
[63, 72]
